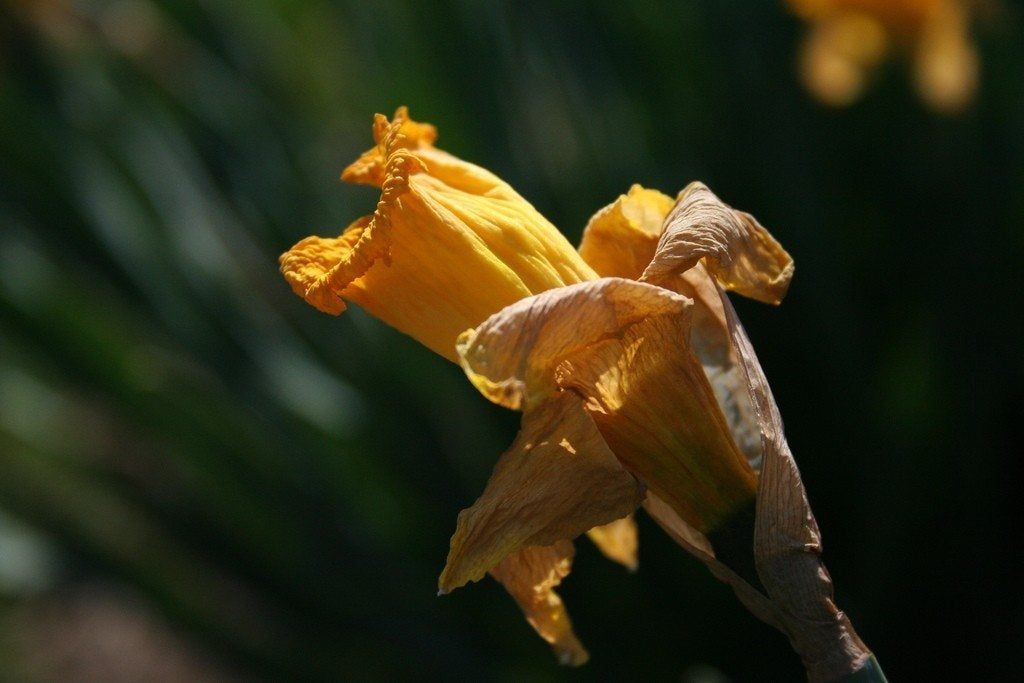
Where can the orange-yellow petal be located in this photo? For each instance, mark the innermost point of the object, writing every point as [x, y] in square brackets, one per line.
[448, 245]
[618, 541]
[557, 481]
[620, 239]
[511, 357]
[622, 346]
[735, 248]
[945, 62]
[656, 409]
[838, 54]
[530, 576]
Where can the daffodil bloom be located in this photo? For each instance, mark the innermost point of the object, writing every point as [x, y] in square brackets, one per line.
[637, 384]
[849, 38]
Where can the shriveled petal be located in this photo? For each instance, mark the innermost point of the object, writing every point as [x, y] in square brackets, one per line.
[530, 576]
[623, 346]
[620, 239]
[787, 543]
[618, 541]
[444, 249]
[709, 341]
[735, 248]
[652, 401]
[792, 589]
[556, 481]
[511, 357]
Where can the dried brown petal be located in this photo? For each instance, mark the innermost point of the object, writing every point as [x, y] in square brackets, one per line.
[735, 248]
[530, 576]
[557, 481]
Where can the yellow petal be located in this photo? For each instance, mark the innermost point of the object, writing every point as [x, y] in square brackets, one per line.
[530, 576]
[622, 346]
[620, 239]
[898, 14]
[448, 245]
[556, 481]
[657, 411]
[618, 541]
[512, 356]
[946, 64]
[837, 55]
[735, 248]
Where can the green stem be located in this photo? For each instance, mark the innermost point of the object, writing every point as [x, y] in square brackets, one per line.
[871, 672]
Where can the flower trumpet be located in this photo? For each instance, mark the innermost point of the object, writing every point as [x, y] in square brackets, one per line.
[637, 384]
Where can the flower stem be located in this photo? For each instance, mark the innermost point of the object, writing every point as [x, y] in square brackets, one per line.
[871, 672]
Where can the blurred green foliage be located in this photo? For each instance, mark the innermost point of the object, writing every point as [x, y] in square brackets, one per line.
[280, 485]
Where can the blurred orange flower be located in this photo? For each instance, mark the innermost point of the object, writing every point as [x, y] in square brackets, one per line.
[849, 38]
[635, 379]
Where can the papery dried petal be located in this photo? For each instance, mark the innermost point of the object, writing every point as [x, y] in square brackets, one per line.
[787, 543]
[511, 357]
[650, 397]
[557, 481]
[620, 241]
[735, 248]
[530, 575]
[618, 541]
[622, 346]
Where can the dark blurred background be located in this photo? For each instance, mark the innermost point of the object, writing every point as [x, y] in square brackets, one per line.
[203, 478]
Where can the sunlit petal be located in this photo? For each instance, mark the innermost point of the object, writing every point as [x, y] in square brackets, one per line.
[557, 481]
[735, 248]
[620, 239]
[618, 541]
[512, 356]
[442, 226]
[623, 346]
[530, 576]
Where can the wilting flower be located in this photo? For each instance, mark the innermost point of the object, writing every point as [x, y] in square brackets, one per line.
[637, 384]
[849, 38]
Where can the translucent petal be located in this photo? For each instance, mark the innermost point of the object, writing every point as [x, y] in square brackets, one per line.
[622, 346]
[511, 357]
[530, 576]
[557, 481]
[620, 239]
[618, 541]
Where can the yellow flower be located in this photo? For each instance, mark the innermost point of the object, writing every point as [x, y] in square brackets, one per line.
[636, 381]
[448, 244]
[849, 38]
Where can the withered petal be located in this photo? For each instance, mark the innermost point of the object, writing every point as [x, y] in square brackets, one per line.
[511, 357]
[736, 249]
[787, 543]
[557, 481]
[530, 575]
